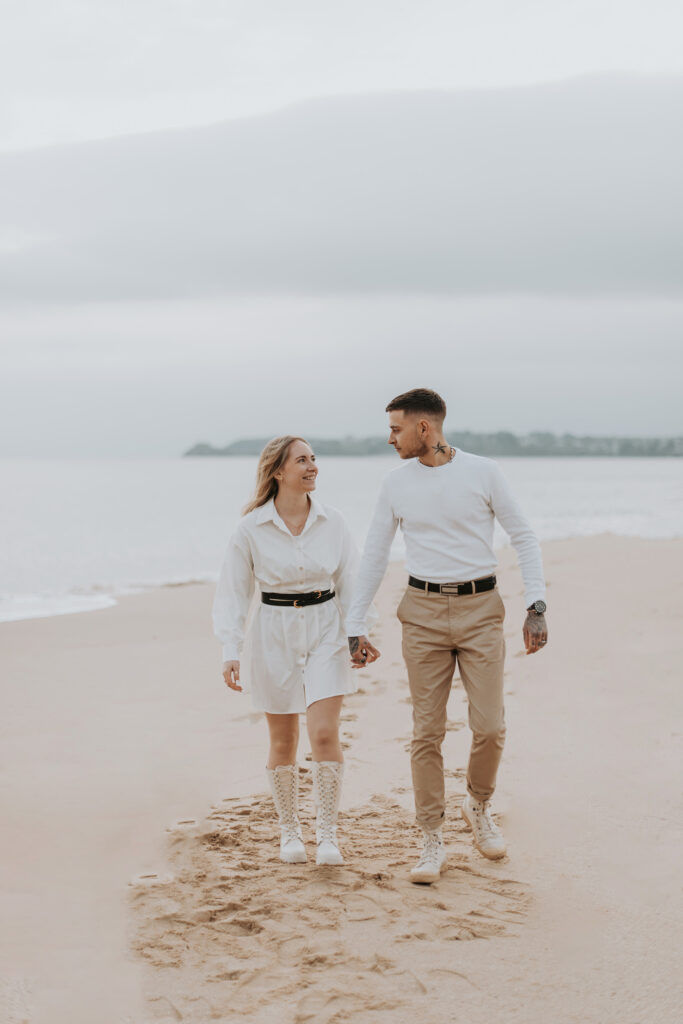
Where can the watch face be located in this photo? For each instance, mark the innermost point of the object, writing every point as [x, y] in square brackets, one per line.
[540, 607]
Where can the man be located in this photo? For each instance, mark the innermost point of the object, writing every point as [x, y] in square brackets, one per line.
[445, 502]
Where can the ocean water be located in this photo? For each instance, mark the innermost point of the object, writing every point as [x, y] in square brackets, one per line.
[76, 534]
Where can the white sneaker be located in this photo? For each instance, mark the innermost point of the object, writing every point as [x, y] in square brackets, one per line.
[430, 865]
[327, 782]
[284, 783]
[488, 838]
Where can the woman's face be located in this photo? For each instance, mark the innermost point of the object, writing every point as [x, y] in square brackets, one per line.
[299, 471]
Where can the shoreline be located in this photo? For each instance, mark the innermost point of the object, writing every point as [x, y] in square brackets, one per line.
[124, 752]
[101, 598]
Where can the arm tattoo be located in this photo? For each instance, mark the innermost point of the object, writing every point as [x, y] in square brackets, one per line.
[438, 448]
[354, 642]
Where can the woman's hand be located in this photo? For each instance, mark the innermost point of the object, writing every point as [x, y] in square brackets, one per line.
[231, 674]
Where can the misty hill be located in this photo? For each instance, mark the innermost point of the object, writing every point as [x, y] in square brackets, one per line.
[569, 187]
[494, 445]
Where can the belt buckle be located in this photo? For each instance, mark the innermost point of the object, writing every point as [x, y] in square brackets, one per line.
[297, 605]
[318, 594]
[450, 588]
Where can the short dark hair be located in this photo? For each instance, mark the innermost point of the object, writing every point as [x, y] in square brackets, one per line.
[419, 400]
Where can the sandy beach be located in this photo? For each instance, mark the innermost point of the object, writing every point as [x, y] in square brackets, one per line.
[139, 872]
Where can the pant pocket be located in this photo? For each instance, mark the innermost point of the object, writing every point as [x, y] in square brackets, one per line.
[401, 606]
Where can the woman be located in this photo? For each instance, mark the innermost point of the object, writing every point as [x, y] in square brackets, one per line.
[294, 651]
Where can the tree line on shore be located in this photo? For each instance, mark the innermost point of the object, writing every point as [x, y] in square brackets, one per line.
[501, 443]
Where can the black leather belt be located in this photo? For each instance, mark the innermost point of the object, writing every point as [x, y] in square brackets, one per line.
[297, 600]
[471, 587]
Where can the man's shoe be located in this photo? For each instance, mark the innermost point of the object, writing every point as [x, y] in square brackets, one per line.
[488, 838]
[430, 865]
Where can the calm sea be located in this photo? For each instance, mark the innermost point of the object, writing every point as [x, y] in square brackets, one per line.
[73, 535]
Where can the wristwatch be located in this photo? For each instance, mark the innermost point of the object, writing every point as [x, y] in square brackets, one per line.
[539, 607]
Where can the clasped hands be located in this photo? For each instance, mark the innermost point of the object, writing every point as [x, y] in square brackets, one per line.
[362, 651]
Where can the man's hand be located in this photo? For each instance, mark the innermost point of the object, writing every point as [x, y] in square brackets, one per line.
[535, 633]
[362, 651]
[231, 674]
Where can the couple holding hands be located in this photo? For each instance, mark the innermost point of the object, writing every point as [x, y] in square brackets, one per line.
[316, 603]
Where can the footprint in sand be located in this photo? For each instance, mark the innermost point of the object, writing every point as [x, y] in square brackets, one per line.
[233, 932]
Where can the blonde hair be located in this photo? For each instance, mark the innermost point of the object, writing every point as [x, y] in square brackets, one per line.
[272, 458]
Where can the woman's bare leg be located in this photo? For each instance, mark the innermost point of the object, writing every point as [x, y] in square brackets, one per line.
[284, 739]
[322, 720]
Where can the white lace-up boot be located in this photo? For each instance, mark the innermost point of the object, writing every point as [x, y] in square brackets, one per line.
[284, 783]
[430, 865]
[327, 783]
[488, 838]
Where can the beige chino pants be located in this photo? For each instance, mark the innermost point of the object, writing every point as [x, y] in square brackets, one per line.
[439, 629]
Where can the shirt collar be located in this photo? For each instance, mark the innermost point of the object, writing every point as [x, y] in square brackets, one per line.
[269, 514]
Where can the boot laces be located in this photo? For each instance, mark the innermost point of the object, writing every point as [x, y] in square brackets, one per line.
[286, 785]
[327, 800]
[289, 831]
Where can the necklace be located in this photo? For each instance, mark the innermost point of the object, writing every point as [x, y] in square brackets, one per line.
[295, 526]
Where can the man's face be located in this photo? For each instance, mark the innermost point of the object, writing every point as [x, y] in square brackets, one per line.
[405, 434]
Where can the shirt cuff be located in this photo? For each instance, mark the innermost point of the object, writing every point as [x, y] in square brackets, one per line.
[357, 628]
[230, 653]
[534, 595]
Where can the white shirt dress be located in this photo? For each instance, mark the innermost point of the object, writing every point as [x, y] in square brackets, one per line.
[289, 657]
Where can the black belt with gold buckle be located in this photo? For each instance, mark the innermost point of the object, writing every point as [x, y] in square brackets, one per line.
[458, 589]
[297, 600]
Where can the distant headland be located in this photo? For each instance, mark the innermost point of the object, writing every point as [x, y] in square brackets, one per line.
[502, 443]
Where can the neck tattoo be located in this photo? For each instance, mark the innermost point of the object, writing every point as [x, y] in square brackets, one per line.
[440, 449]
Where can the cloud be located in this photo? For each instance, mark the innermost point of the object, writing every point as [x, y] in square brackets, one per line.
[569, 188]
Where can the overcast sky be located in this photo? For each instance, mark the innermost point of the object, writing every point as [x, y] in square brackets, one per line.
[513, 243]
[75, 69]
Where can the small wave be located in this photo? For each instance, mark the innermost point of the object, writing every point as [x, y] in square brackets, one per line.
[15, 607]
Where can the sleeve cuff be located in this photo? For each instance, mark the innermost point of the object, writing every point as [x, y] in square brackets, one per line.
[230, 653]
[357, 628]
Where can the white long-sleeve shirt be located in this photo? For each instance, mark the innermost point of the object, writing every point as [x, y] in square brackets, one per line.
[289, 657]
[263, 553]
[447, 515]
